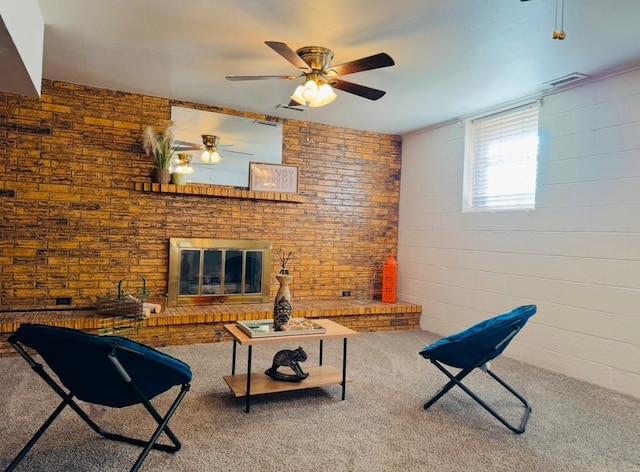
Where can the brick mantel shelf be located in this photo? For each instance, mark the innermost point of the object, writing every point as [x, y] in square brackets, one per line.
[218, 191]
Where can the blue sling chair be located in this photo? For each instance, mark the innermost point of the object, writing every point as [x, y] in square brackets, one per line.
[474, 348]
[104, 370]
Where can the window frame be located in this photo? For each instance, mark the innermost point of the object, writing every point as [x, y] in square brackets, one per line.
[503, 123]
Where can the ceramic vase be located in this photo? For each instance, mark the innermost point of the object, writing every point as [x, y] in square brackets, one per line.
[179, 178]
[390, 280]
[282, 310]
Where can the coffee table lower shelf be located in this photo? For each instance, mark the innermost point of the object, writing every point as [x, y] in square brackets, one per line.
[319, 376]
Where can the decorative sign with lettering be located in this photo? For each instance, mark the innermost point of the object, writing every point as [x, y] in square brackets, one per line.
[265, 177]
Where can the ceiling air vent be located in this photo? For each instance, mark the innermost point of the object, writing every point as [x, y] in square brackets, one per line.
[266, 123]
[289, 107]
[566, 79]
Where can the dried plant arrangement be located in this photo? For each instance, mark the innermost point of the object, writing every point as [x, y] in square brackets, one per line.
[159, 146]
[283, 261]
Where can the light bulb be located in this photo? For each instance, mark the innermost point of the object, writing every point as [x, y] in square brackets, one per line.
[297, 95]
[215, 157]
[310, 91]
[325, 95]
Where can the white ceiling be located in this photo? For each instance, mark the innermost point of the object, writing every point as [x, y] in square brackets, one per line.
[453, 57]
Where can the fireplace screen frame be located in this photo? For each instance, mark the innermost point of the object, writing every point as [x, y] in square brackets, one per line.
[223, 246]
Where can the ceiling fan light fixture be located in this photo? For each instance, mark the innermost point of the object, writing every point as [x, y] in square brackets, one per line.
[210, 156]
[184, 169]
[314, 93]
[182, 163]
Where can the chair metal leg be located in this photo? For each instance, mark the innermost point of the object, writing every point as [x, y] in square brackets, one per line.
[162, 427]
[457, 380]
[35, 437]
[525, 403]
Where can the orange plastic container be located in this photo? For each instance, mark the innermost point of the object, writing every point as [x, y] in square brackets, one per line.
[390, 280]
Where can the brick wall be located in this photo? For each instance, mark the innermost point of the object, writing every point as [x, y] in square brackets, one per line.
[72, 224]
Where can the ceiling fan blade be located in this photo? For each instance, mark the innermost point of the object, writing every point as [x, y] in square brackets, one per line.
[289, 54]
[357, 89]
[366, 63]
[294, 105]
[260, 77]
[179, 146]
[224, 151]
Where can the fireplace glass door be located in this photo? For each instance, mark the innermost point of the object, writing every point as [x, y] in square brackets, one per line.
[218, 274]
[218, 271]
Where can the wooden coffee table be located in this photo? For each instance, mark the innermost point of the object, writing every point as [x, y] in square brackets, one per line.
[257, 383]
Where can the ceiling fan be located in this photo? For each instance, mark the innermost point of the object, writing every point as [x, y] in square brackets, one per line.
[320, 77]
[209, 147]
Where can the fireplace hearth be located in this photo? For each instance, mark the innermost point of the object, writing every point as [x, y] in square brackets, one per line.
[210, 271]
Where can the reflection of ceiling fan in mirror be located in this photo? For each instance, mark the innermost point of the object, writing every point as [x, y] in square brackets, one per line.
[182, 163]
[210, 148]
[320, 77]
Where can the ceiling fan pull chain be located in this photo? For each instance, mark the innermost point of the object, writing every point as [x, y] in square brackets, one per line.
[559, 34]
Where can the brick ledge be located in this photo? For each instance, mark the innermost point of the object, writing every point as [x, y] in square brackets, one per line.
[204, 324]
[202, 314]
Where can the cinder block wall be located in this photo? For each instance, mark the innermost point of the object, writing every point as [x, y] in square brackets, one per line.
[576, 256]
[72, 224]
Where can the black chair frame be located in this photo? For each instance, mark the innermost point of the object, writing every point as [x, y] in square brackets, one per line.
[484, 366]
[473, 349]
[68, 400]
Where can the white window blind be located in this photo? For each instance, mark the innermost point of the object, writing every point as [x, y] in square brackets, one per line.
[503, 160]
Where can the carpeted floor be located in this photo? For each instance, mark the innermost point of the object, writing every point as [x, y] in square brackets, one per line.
[380, 427]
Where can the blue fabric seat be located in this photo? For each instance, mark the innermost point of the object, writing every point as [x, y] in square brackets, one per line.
[474, 348]
[104, 370]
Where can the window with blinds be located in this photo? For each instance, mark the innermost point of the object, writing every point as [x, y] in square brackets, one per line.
[501, 160]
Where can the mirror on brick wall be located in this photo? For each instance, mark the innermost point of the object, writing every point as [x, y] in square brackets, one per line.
[240, 141]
